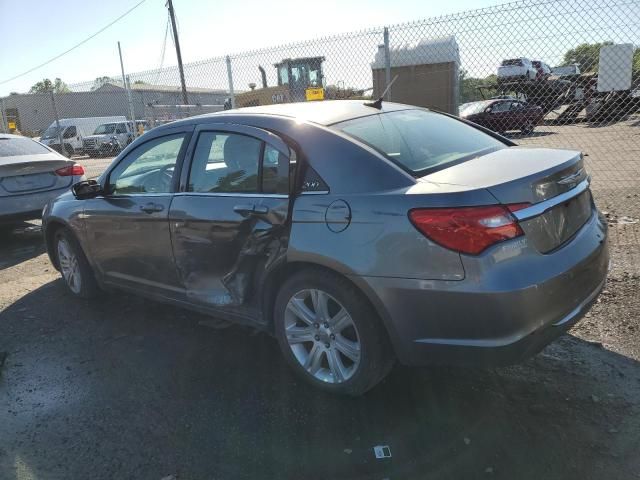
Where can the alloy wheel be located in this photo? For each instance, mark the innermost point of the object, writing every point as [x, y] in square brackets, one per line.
[69, 266]
[322, 336]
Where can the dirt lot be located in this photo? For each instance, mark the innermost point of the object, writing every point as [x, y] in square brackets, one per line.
[125, 388]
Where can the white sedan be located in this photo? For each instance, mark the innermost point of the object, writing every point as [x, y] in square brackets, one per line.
[31, 174]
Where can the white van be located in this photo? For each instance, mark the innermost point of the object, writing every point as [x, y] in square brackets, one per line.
[73, 132]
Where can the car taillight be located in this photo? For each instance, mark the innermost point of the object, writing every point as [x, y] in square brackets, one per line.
[468, 230]
[71, 170]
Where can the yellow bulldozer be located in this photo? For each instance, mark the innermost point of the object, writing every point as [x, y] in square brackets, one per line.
[299, 79]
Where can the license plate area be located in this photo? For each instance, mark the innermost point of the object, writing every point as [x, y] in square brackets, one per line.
[554, 227]
[24, 183]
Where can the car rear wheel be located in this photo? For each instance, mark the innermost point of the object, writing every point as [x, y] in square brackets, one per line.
[329, 333]
[74, 267]
[528, 127]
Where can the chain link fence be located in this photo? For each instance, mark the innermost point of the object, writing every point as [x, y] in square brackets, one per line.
[547, 73]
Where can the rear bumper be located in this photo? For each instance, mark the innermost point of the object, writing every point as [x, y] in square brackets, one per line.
[28, 206]
[511, 304]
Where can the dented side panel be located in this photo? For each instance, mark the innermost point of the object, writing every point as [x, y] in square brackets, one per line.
[219, 253]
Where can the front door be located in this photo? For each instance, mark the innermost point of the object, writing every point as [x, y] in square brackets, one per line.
[127, 229]
[229, 220]
[498, 116]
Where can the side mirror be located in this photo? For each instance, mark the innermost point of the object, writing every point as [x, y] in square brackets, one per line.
[86, 189]
[488, 110]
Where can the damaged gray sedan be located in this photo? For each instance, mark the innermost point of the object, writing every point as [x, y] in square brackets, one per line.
[359, 234]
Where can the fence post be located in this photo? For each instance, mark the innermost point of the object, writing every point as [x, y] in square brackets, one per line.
[5, 128]
[387, 62]
[55, 115]
[125, 84]
[230, 78]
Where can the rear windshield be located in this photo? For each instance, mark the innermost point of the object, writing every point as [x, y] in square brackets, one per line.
[473, 108]
[512, 62]
[11, 147]
[420, 140]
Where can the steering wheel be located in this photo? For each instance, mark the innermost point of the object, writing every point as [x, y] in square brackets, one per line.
[159, 181]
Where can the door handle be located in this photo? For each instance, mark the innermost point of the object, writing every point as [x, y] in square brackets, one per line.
[151, 207]
[249, 209]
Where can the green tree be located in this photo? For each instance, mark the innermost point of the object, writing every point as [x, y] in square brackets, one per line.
[469, 87]
[46, 85]
[586, 55]
[100, 81]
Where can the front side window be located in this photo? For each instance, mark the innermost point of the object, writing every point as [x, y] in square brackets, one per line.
[419, 140]
[121, 128]
[70, 132]
[147, 169]
[226, 162]
[499, 107]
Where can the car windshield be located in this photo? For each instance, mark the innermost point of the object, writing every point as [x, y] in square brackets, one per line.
[473, 108]
[51, 132]
[105, 128]
[12, 147]
[419, 140]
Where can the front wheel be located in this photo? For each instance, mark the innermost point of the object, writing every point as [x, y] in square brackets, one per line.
[74, 267]
[528, 127]
[329, 334]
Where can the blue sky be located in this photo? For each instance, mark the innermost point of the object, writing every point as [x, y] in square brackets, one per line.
[35, 31]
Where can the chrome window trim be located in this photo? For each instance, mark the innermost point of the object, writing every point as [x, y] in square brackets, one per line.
[231, 194]
[539, 208]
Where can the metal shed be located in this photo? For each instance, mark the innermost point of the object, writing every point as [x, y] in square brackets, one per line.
[428, 73]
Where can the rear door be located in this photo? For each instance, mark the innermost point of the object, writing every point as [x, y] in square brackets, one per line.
[230, 218]
[127, 229]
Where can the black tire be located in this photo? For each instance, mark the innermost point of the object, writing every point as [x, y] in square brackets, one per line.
[68, 150]
[528, 127]
[88, 287]
[376, 357]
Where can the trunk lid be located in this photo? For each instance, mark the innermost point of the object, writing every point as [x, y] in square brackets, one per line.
[34, 173]
[552, 181]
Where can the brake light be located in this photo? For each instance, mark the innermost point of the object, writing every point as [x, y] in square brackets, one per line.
[71, 170]
[469, 230]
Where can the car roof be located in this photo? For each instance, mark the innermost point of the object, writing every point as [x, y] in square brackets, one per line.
[326, 112]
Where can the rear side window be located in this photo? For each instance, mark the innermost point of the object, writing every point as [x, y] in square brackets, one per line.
[420, 140]
[226, 162]
[11, 146]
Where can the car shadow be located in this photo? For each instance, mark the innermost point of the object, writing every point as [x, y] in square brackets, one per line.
[19, 243]
[124, 387]
[534, 134]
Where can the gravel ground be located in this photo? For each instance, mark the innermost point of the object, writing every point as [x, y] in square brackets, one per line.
[126, 388]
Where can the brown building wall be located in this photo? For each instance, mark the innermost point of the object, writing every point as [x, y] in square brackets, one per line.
[431, 86]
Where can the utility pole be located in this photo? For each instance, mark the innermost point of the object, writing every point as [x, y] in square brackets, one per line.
[172, 15]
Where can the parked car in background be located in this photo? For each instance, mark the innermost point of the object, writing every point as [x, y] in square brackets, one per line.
[31, 174]
[566, 70]
[110, 138]
[357, 233]
[74, 131]
[502, 115]
[516, 69]
[542, 69]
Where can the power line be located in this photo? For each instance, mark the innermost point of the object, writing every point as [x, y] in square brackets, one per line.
[75, 46]
[164, 49]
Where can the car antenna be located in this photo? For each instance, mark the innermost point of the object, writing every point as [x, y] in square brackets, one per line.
[378, 103]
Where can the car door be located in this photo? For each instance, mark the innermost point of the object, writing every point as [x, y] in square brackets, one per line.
[127, 228]
[230, 217]
[122, 132]
[498, 116]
